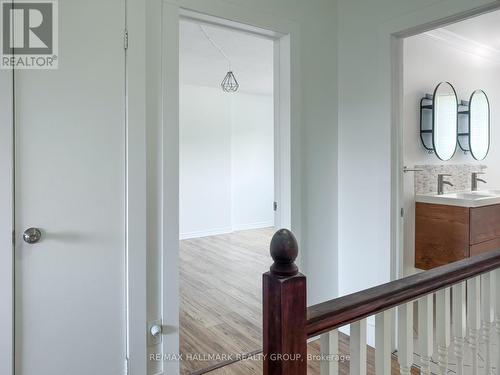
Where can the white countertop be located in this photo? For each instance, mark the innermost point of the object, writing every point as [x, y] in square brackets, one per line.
[462, 199]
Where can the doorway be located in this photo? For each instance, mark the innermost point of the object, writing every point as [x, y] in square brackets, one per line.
[164, 134]
[461, 51]
[234, 185]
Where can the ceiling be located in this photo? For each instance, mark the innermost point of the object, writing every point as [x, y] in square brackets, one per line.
[484, 29]
[252, 56]
[202, 64]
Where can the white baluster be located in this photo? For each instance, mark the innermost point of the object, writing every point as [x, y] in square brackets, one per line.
[474, 319]
[459, 324]
[329, 351]
[488, 316]
[425, 332]
[358, 348]
[497, 295]
[443, 328]
[383, 322]
[405, 338]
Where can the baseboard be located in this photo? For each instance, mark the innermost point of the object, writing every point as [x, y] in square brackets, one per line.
[205, 233]
[226, 230]
[258, 225]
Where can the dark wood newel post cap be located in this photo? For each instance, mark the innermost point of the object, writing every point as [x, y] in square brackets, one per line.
[284, 251]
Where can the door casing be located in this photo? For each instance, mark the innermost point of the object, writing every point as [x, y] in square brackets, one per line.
[287, 135]
[6, 223]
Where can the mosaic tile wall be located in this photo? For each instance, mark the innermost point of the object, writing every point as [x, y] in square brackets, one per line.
[426, 181]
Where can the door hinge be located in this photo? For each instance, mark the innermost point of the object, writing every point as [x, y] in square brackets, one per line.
[275, 206]
[402, 212]
[125, 39]
[13, 238]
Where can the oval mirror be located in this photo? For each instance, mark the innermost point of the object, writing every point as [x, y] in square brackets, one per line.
[479, 125]
[445, 121]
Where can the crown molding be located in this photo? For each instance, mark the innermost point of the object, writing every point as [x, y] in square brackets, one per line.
[465, 44]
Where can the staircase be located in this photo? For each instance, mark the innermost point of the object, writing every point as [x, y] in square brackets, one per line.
[446, 320]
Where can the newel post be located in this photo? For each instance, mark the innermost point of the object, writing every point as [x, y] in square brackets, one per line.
[285, 309]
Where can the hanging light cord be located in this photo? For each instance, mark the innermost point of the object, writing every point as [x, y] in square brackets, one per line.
[216, 46]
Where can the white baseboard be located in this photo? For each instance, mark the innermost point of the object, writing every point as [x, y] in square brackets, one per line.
[218, 231]
[258, 225]
[205, 233]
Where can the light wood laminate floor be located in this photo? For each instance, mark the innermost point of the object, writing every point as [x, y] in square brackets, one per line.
[221, 295]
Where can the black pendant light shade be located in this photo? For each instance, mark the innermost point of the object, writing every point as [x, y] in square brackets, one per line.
[230, 84]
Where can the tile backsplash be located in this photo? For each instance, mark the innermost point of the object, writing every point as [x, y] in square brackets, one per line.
[426, 181]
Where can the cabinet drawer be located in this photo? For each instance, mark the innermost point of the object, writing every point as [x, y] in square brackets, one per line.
[485, 247]
[441, 235]
[484, 224]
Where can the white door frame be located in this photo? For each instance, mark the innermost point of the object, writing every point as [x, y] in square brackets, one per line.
[135, 203]
[6, 224]
[395, 32]
[136, 188]
[287, 131]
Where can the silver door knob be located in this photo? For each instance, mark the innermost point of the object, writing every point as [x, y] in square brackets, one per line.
[32, 235]
[155, 330]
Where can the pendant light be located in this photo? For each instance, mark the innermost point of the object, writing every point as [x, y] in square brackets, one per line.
[229, 83]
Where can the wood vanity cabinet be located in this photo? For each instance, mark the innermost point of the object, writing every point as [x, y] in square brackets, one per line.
[446, 234]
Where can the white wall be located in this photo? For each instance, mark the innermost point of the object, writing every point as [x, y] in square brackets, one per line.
[226, 161]
[427, 62]
[205, 161]
[252, 142]
[365, 114]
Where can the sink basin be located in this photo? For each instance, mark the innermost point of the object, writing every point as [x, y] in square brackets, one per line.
[462, 199]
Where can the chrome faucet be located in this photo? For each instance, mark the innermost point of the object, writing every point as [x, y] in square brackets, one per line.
[475, 180]
[442, 182]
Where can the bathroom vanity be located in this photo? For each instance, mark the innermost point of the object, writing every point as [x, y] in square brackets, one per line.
[455, 226]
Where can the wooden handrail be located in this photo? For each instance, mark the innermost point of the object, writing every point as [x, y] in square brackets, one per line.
[287, 322]
[338, 312]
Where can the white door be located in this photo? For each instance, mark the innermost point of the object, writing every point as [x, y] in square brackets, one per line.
[70, 182]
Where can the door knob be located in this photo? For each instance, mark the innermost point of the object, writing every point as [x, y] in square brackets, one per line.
[155, 331]
[32, 235]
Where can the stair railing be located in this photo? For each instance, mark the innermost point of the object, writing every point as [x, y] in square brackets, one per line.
[466, 290]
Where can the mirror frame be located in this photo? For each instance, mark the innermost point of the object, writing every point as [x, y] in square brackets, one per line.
[470, 123]
[434, 120]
